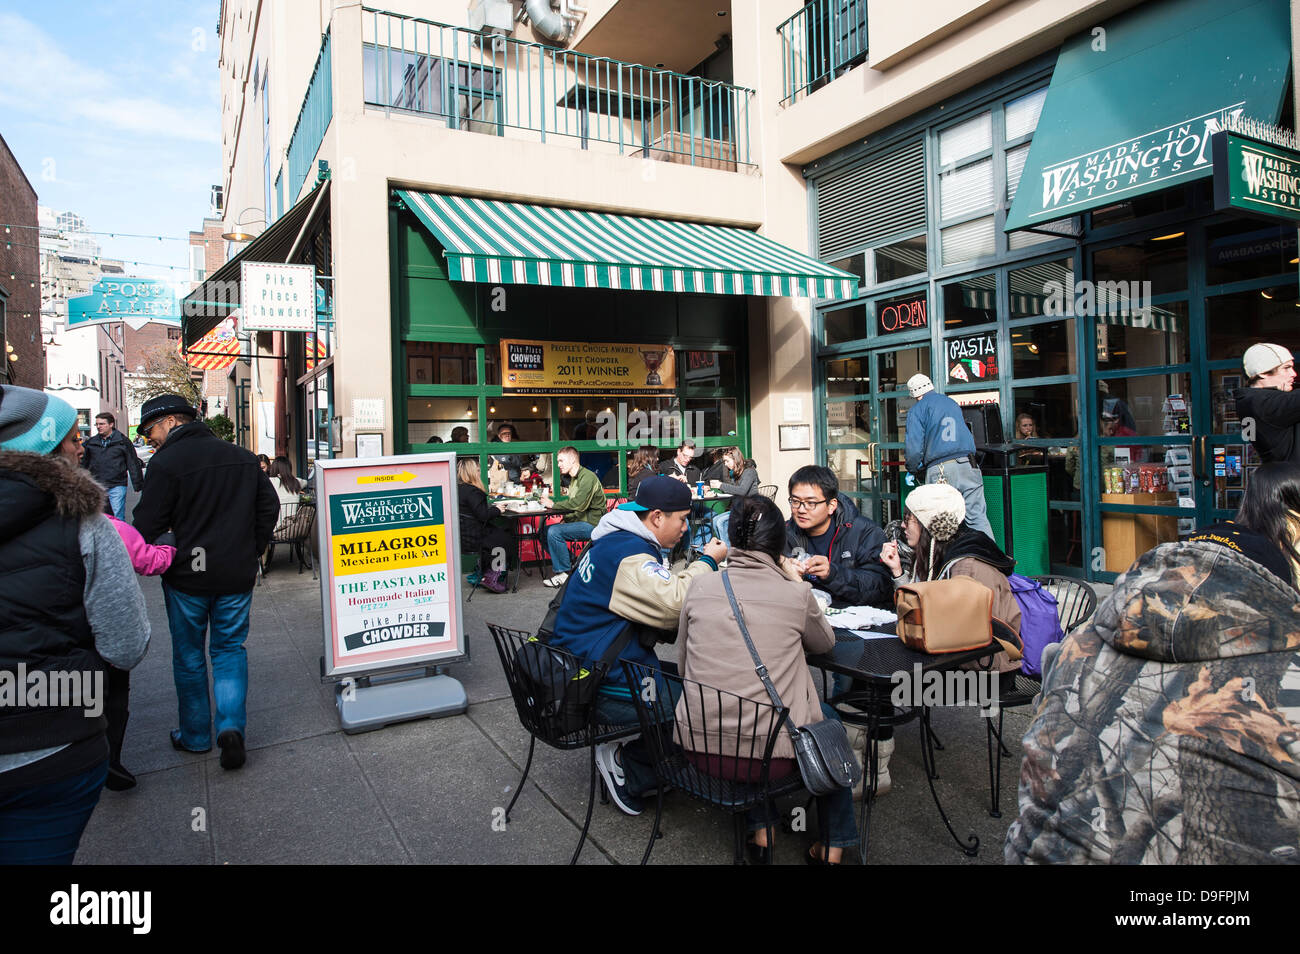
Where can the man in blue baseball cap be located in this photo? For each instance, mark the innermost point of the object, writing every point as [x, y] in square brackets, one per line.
[621, 590]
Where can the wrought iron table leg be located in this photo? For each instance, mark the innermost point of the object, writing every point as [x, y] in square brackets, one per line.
[868, 784]
[995, 748]
[970, 847]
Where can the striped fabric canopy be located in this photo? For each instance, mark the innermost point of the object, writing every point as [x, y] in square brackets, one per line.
[513, 243]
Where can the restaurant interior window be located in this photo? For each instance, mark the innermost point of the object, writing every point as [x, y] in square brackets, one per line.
[972, 301]
[427, 418]
[531, 417]
[844, 324]
[434, 362]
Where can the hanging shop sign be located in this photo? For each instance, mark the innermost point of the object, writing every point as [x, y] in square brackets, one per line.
[972, 358]
[584, 367]
[389, 537]
[1256, 178]
[277, 297]
[903, 314]
[136, 301]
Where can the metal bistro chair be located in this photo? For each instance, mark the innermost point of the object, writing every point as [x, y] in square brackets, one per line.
[768, 490]
[508, 643]
[1075, 603]
[689, 756]
[294, 529]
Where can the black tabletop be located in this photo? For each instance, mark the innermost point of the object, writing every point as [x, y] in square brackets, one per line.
[879, 659]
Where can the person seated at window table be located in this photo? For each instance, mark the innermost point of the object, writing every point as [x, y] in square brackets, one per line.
[622, 582]
[680, 466]
[739, 478]
[838, 548]
[640, 465]
[1185, 675]
[784, 621]
[478, 529]
[1027, 429]
[460, 435]
[517, 466]
[716, 470]
[583, 508]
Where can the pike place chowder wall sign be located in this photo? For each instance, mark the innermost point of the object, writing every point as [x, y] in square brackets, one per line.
[390, 558]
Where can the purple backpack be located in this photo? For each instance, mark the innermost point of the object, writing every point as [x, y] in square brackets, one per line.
[1040, 624]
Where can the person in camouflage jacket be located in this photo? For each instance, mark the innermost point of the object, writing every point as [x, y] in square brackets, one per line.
[1168, 728]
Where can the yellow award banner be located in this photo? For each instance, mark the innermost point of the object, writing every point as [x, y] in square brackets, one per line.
[585, 367]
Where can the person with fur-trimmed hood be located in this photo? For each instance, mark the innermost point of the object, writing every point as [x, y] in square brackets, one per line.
[69, 605]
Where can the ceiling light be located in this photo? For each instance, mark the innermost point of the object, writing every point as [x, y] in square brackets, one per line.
[1171, 235]
[1295, 261]
[534, 408]
[469, 410]
[492, 409]
[567, 409]
[1033, 348]
[1265, 294]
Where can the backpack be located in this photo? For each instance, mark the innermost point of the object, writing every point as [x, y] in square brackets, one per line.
[560, 692]
[1040, 621]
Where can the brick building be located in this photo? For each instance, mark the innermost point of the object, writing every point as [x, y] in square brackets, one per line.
[20, 293]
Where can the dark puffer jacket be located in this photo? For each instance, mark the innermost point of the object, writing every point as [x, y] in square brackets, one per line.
[1168, 730]
[857, 577]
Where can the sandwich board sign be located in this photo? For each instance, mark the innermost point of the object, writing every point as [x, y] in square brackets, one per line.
[388, 529]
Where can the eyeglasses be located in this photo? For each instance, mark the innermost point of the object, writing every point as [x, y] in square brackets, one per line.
[797, 504]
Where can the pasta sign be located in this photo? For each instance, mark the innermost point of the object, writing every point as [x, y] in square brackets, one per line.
[972, 358]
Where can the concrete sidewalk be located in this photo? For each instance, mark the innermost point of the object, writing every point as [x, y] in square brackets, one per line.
[429, 791]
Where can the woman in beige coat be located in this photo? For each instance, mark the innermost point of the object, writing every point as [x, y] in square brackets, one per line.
[784, 622]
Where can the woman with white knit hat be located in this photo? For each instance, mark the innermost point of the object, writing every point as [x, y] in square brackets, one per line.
[934, 520]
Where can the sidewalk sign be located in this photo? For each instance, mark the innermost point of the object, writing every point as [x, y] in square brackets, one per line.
[390, 591]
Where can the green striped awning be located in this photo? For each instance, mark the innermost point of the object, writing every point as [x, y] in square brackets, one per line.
[513, 243]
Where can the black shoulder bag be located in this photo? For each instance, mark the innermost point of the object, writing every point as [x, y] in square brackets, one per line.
[826, 760]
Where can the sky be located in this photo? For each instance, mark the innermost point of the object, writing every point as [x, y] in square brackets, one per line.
[113, 111]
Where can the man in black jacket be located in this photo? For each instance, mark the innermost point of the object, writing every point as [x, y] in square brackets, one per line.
[223, 509]
[1269, 410]
[839, 547]
[111, 458]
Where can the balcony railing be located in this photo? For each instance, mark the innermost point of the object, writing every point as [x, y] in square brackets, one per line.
[821, 41]
[491, 84]
[313, 120]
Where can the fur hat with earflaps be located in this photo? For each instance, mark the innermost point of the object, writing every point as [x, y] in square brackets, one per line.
[940, 508]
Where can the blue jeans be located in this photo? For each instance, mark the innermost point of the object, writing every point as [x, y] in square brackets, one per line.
[190, 618]
[722, 527]
[117, 501]
[835, 809]
[637, 761]
[557, 540]
[961, 475]
[43, 825]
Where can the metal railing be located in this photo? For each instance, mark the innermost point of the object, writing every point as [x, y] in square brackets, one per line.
[313, 120]
[492, 84]
[818, 43]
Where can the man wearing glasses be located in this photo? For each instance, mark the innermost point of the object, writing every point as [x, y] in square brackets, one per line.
[837, 547]
[111, 459]
[222, 508]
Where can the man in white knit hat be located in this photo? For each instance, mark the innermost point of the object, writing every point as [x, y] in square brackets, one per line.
[1268, 408]
[941, 448]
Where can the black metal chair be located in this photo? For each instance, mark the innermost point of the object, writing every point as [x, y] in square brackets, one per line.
[508, 643]
[768, 490]
[1075, 603]
[294, 530]
[690, 756]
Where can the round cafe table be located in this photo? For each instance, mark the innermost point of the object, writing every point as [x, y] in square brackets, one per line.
[521, 532]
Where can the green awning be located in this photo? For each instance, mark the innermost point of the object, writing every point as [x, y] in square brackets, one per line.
[1133, 103]
[513, 243]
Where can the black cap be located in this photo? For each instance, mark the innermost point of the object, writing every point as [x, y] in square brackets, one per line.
[660, 493]
[159, 407]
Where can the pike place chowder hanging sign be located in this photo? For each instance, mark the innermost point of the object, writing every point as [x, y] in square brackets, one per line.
[390, 559]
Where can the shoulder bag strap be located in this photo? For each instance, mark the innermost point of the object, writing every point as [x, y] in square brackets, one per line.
[759, 668]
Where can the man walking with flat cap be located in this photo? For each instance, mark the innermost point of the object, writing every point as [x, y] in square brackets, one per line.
[222, 509]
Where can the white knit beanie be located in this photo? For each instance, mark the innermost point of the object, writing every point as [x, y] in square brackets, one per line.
[940, 508]
[919, 384]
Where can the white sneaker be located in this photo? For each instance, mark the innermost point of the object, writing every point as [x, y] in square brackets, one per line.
[556, 581]
[612, 773]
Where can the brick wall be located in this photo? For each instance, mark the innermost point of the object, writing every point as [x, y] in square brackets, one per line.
[20, 257]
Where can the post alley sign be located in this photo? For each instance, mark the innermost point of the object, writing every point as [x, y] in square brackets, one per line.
[136, 301]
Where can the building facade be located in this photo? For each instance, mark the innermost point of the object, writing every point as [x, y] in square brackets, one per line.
[22, 351]
[411, 155]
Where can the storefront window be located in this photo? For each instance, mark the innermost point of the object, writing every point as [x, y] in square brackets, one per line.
[1053, 410]
[1152, 203]
[1235, 322]
[708, 369]
[1161, 261]
[1043, 350]
[1146, 405]
[893, 419]
[854, 264]
[848, 422]
[971, 240]
[717, 418]
[434, 417]
[844, 324]
[429, 362]
[901, 259]
[1238, 251]
[1142, 341]
[1035, 286]
[530, 416]
[895, 367]
[973, 301]
[847, 377]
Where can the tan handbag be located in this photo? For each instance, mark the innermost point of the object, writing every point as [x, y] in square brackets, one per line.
[944, 616]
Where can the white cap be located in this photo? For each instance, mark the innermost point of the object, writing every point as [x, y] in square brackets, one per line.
[1263, 358]
[919, 384]
[939, 507]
